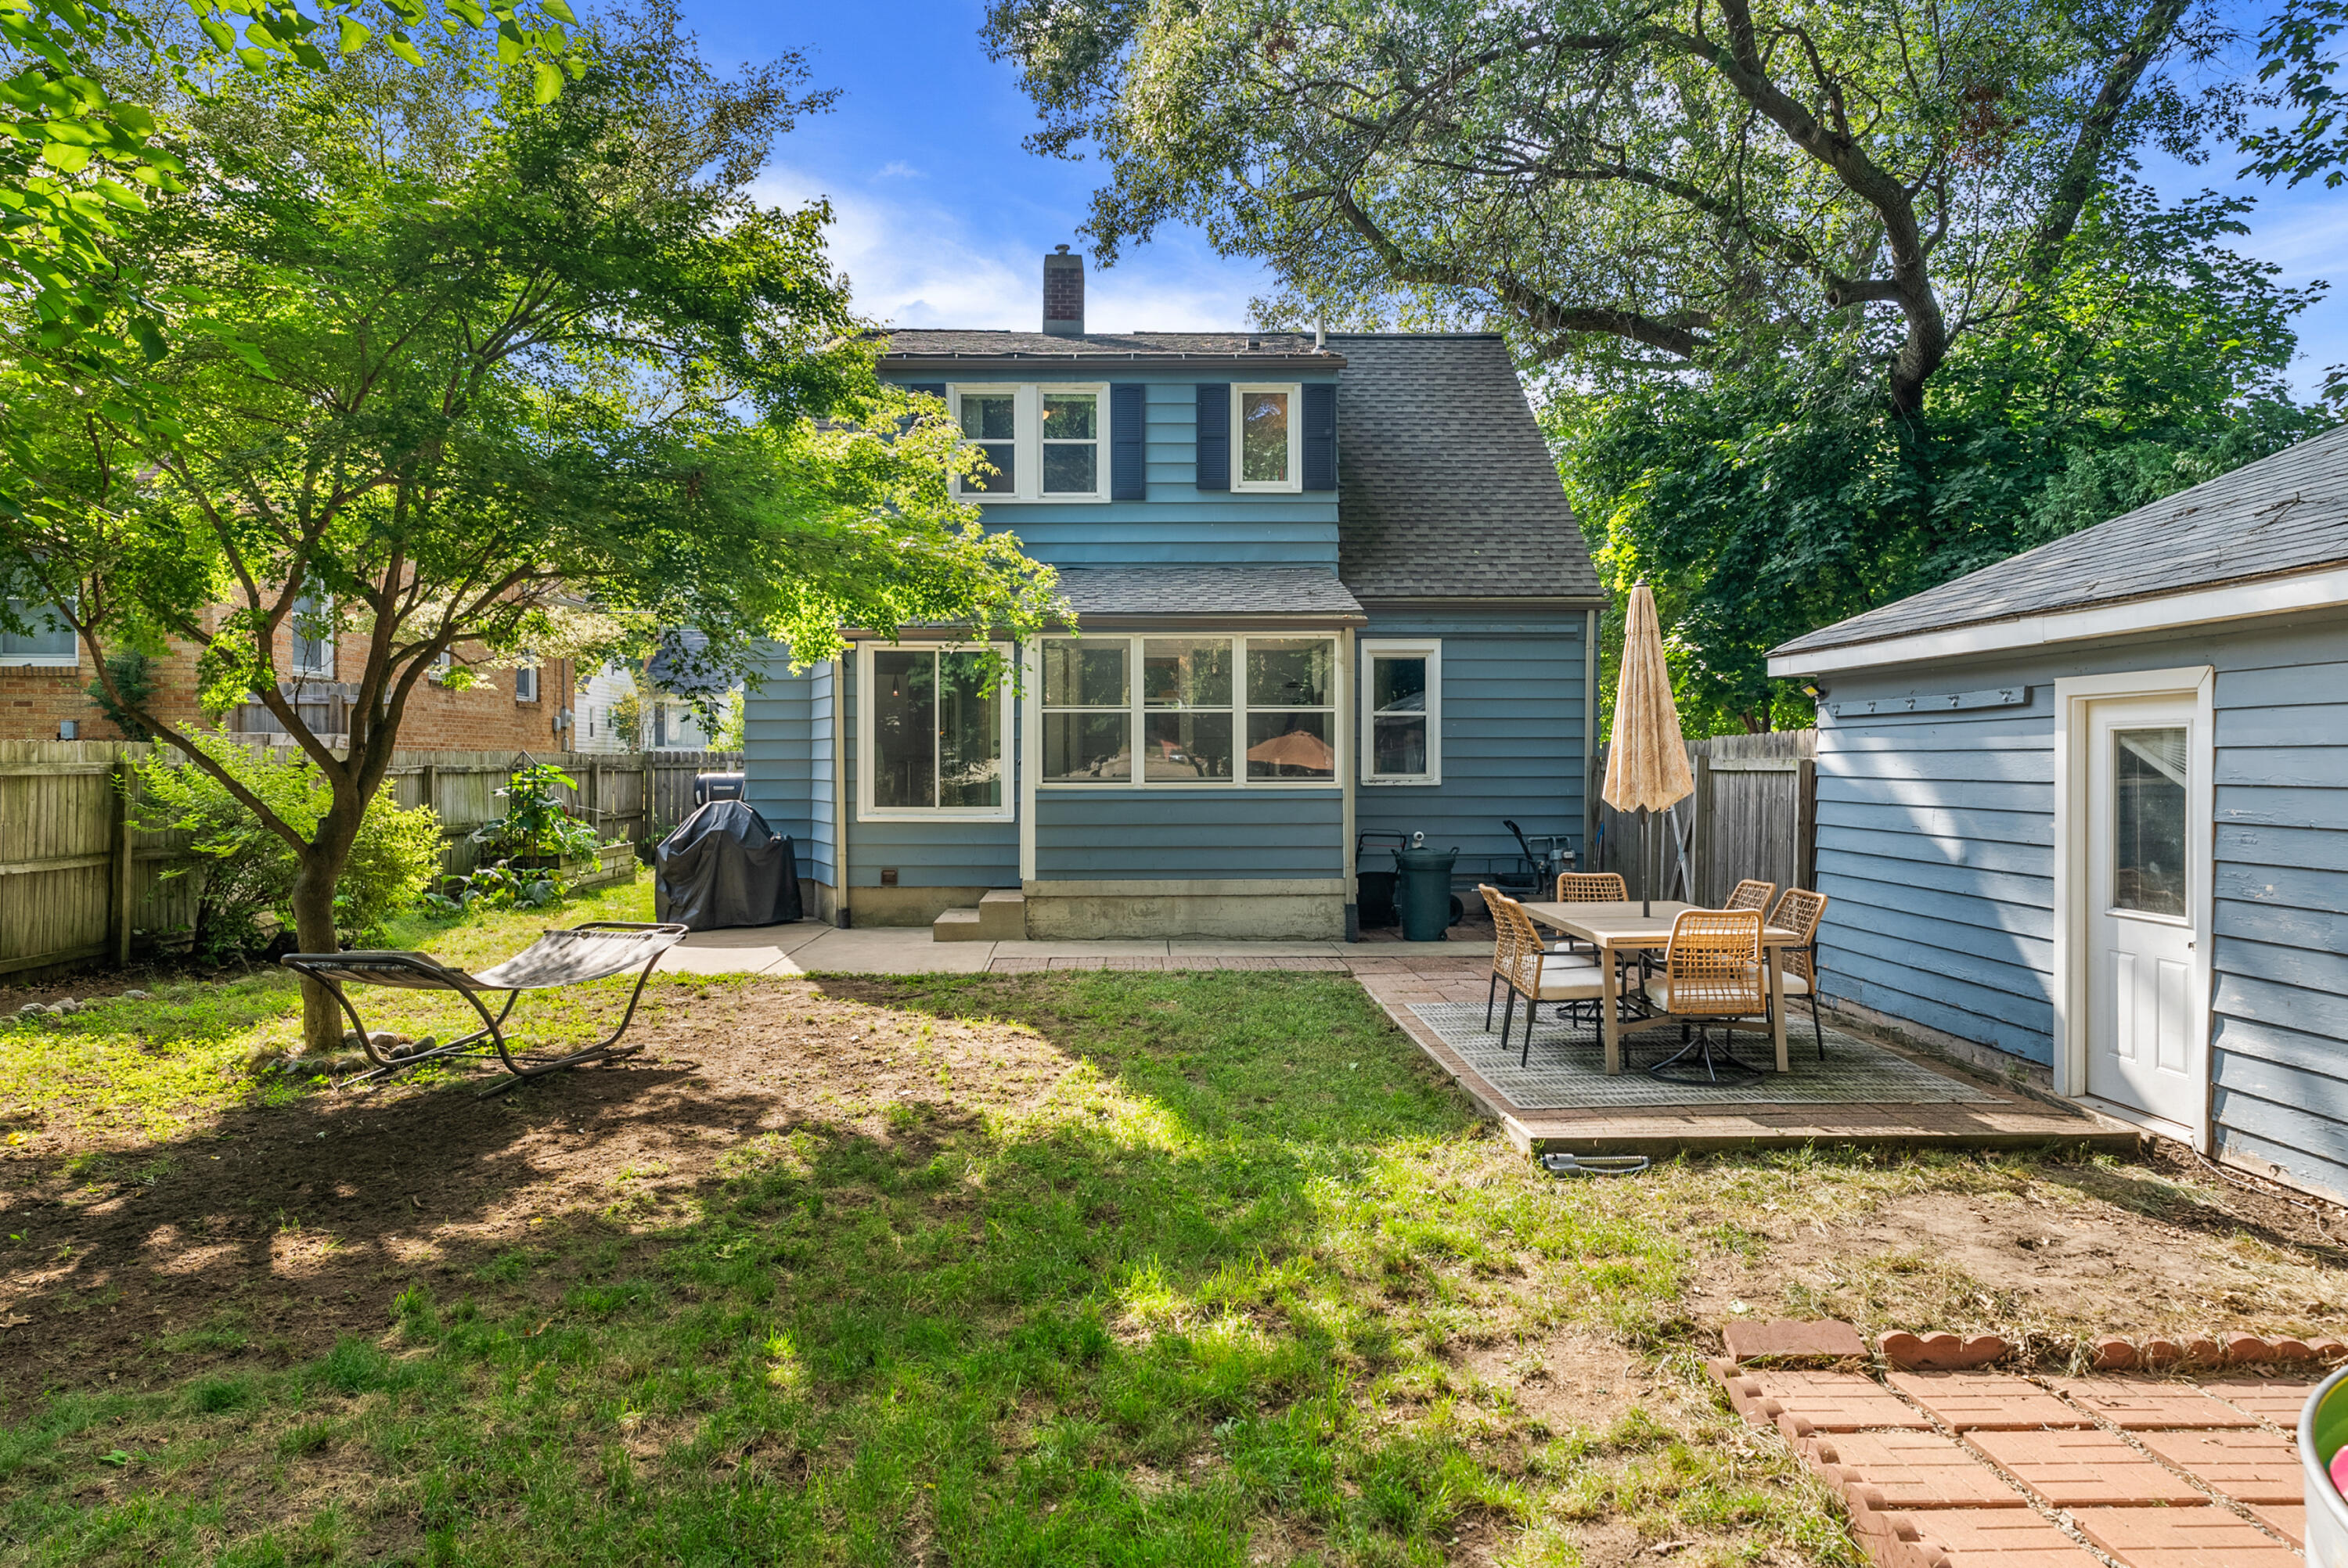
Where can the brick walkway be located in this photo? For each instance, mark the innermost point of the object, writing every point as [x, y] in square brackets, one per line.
[1994, 1469]
[2013, 1121]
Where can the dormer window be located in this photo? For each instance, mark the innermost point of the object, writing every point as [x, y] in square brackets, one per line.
[1264, 433]
[1042, 441]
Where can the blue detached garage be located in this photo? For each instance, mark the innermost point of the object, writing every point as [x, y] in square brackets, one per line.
[2087, 810]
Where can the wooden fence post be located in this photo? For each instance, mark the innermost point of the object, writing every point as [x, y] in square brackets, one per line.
[1806, 824]
[126, 839]
[1700, 816]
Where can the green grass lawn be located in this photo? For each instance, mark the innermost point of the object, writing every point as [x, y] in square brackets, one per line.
[1092, 1267]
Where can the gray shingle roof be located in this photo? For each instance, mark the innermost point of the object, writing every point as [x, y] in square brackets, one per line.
[928, 343]
[1136, 590]
[2283, 513]
[1446, 486]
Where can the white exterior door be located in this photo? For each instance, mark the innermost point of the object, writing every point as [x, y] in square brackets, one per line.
[2145, 1045]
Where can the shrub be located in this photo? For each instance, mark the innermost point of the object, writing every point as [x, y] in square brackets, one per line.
[536, 822]
[247, 871]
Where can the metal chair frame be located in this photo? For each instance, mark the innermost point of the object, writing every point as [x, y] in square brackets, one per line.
[1799, 909]
[322, 968]
[1712, 972]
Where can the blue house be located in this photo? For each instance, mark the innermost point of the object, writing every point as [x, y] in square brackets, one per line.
[1324, 587]
[2086, 810]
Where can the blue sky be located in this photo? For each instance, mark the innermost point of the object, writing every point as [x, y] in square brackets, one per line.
[943, 217]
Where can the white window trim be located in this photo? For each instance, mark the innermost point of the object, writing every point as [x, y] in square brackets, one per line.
[1137, 712]
[294, 638]
[1294, 483]
[1431, 650]
[1027, 441]
[536, 673]
[868, 812]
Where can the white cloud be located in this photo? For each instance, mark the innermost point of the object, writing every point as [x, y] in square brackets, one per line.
[915, 262]
[898, 168]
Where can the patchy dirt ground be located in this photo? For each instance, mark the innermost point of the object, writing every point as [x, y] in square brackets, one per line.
[279, 1227]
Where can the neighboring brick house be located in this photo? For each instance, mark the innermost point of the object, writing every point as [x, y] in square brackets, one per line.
[45, 680]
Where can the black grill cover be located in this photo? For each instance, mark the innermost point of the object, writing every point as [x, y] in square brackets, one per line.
[725, 866]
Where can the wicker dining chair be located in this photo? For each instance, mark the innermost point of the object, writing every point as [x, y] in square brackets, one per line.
[1588, 887]
[1711, 977]
[1799, 909]
[1751, 894]
[1531, 971]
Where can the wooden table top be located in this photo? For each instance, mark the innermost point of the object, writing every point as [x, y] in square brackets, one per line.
[1622, 925]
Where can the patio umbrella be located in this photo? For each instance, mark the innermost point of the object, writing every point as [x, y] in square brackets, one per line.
[1296, 749]
[1646, 766]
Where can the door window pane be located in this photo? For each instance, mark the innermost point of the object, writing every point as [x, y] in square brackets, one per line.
[1289, 671]
[1263, 437]
[904, 728]
[49, 637]
[1186, 673]
[2148, 829]
[991, 420]
[1290, 746]
[1071, 443]
[969, 740]
[1186, 746]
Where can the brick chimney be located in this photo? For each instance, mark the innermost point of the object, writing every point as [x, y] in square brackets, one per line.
[1064, 294]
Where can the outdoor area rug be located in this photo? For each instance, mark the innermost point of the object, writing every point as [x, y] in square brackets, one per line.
[1569, 1067]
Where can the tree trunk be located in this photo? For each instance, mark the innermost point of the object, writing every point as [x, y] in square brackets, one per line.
[322, 1023]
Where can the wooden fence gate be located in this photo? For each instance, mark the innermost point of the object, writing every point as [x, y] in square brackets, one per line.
[1754, 813]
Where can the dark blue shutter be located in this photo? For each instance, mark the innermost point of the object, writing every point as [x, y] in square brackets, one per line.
[1128, 450]
[1320, 435]
[1214, 435]
[936, 389]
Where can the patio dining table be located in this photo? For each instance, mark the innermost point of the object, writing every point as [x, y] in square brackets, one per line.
[1617, 929]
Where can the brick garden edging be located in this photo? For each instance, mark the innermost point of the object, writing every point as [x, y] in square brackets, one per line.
[1943, 1465]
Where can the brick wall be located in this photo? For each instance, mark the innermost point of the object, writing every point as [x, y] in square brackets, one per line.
[36, 699]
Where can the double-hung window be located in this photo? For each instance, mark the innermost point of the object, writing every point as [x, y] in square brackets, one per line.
[1267, 427]
[311, 632]
[46, 640]
[526, 681]
[935, 733]
[1232, 712]
[1402, 712]
[1042, 442]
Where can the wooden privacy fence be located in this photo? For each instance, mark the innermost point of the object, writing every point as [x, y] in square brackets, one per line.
[78, 880]
[1754, 813]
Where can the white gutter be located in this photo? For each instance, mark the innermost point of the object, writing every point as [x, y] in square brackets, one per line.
[2176, 612]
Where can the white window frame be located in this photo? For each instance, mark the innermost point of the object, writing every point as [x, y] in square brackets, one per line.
[534, 672]
[1431, 650]
[868, 812]
[1294, 483]
[1137, 712]
[43, 661]
[1027, 441]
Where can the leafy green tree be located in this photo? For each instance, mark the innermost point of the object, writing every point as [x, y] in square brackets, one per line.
[1622, 183]
[2302, 44]
[472, 375]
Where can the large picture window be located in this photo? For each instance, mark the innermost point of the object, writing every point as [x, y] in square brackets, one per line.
[936, 741]
[47, 639]
[1226, 711]
[1402, 712]
[1043, 442]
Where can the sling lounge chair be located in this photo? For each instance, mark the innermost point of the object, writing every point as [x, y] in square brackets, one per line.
[571, 958]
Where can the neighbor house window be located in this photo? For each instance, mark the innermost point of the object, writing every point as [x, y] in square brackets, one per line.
[1264, 436]
[936, 739]
[526, 683]
[1402, 712]
[1042, 441]
[312, 629]
[1228, 710]
[47, 640]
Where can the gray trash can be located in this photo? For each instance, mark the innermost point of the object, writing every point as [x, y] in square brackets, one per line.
[2323, 1433]
[1425, 884]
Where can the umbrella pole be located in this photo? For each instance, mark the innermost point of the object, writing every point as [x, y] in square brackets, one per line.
[1646, 864]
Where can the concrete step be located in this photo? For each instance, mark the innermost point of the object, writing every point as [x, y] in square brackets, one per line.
[959, 926]
[1002, 916]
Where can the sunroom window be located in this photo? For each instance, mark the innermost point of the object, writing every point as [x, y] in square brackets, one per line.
[1228, 711]
[935, 734]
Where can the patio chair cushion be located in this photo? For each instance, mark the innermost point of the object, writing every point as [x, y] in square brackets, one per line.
[1796, 985]
[1568, 980]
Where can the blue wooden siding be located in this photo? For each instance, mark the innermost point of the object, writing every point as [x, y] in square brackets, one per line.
[1116, 835]
[1177, 525]
[923, 854]
[1936, 843]
[1512, 730]
[786, 745]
